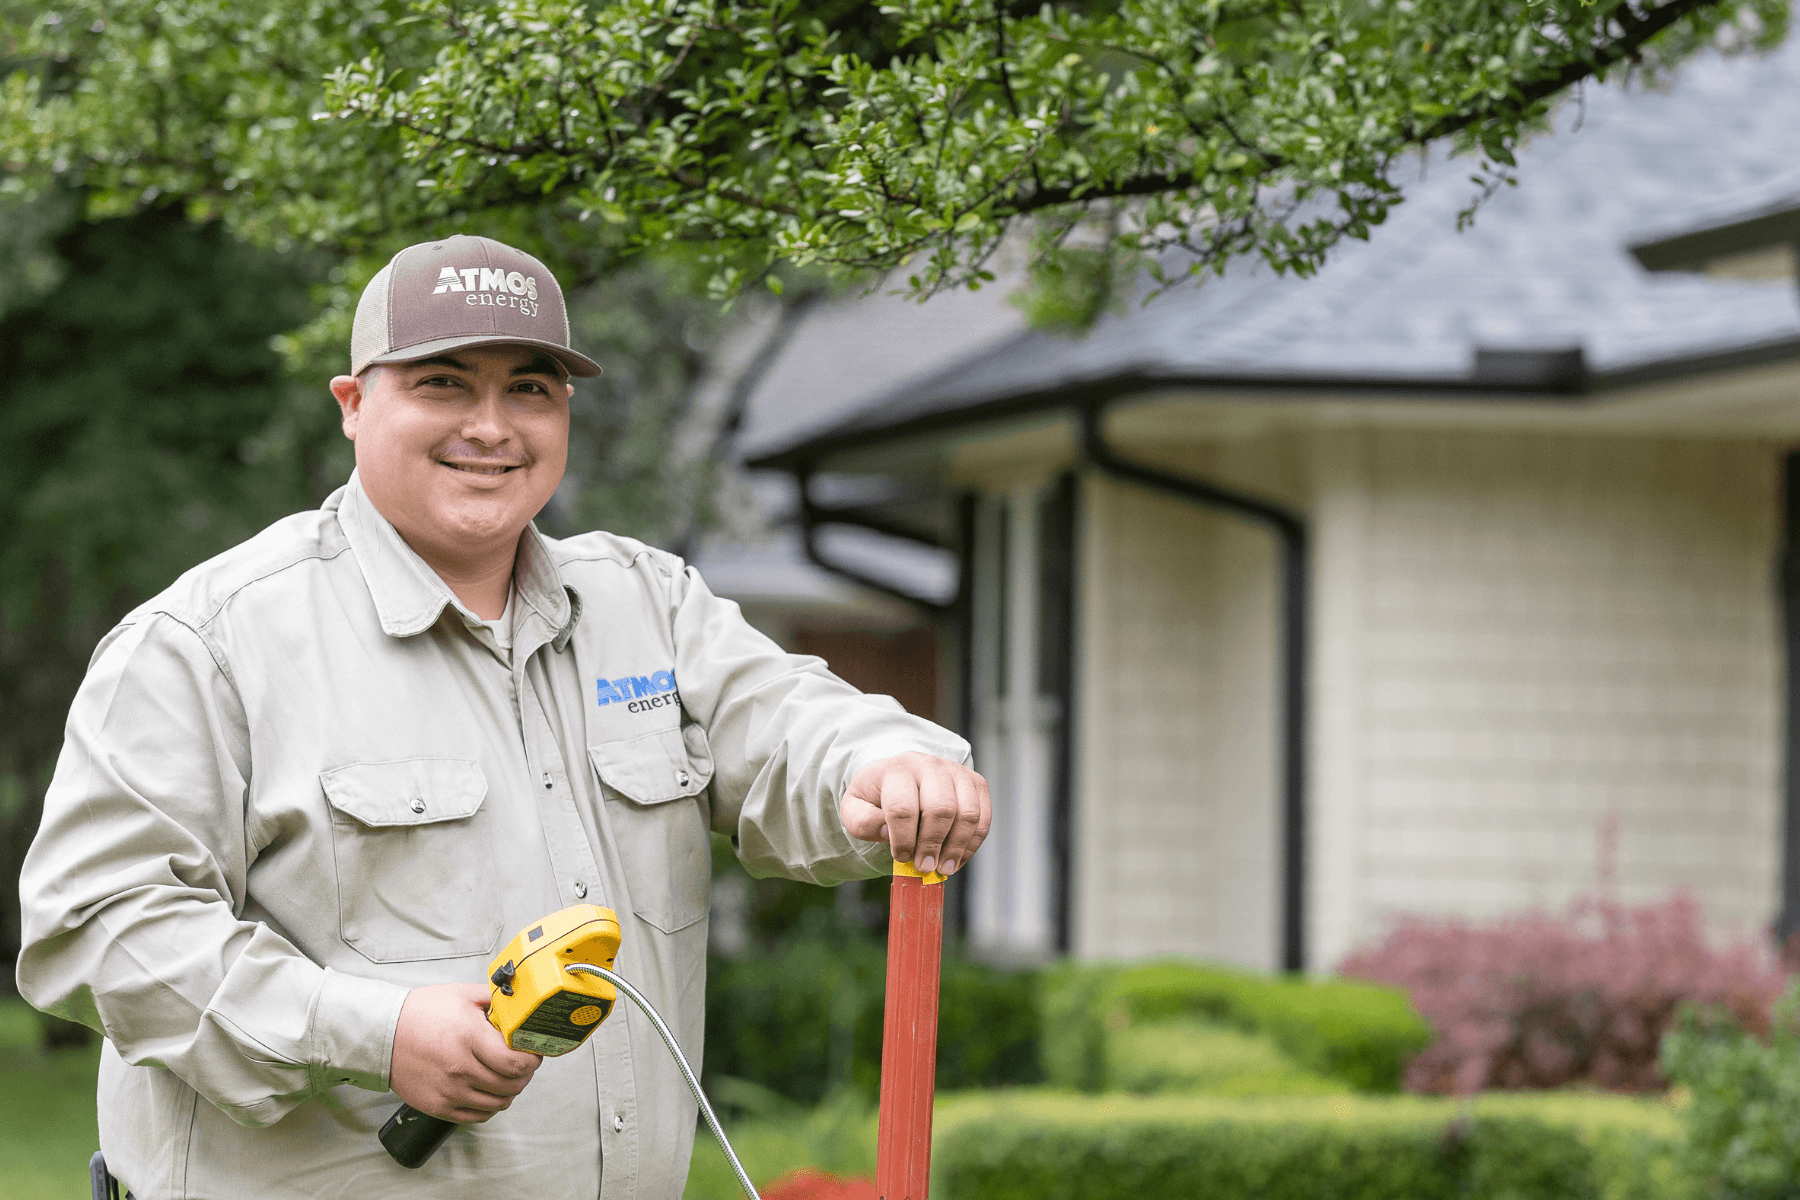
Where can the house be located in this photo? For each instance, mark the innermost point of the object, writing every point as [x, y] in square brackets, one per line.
[836, 361]
[1445, 581]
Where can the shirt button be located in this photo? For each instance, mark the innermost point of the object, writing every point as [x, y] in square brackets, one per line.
[681, 777]
[580, 890]
[418, 805]
[546, 779]
[618, 1123]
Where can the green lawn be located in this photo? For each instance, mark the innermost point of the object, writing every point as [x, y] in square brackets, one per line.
[46, 1112]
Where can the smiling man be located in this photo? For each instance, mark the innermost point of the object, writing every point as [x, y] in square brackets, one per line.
[308, 790]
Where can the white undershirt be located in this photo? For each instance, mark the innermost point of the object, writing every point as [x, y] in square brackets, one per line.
[501, 628]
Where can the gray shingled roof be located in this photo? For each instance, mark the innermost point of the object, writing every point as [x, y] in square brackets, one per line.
[845, 354]
[1546, 266]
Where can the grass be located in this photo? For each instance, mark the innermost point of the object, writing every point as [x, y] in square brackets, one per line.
[46, 1112]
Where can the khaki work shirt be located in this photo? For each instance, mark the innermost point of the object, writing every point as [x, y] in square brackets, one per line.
[303, 781]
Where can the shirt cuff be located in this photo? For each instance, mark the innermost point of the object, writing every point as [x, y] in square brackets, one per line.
[950, 747]
[353, 1027]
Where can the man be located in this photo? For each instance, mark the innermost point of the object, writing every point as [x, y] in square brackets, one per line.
[311, 788]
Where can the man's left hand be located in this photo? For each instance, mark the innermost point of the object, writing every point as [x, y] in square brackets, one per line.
[932, 812]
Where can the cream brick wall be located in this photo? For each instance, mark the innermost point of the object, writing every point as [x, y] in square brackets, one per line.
[1175, 846]
[1524, 637]
[1518, 637]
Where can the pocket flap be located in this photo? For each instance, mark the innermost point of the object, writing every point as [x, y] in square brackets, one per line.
[672, 764]
[411, 791]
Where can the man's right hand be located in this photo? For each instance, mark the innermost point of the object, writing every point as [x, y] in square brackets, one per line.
[449, 1062]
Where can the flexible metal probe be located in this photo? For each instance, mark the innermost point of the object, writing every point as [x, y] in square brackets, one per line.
[687, 1072]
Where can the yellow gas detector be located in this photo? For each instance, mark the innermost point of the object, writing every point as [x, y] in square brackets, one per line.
[539, 1005]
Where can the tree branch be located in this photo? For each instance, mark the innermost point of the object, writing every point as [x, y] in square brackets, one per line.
[1638, 30]
[1137, 185]
[687, 178]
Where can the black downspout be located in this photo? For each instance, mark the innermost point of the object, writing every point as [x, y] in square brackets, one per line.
[1295, 585]
[956, 888]
[1056, 587]
[1788, 923]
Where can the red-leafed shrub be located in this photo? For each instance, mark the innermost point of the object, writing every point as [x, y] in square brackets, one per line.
[810, 1184]
[1540, 1000]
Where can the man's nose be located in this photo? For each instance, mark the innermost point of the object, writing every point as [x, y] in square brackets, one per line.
[487, 422]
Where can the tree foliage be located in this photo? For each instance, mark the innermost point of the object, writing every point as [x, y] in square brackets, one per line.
[851, 136]
[213, 104]
[151, 427]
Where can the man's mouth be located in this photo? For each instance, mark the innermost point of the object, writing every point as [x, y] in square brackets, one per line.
[481, 468]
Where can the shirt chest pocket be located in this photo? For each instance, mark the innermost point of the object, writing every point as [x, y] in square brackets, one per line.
[655, 808]
[414, 877]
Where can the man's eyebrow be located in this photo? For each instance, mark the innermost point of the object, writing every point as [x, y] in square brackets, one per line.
[541, 364]
[442, 360]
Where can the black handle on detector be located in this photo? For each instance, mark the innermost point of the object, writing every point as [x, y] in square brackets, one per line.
[412, 1137]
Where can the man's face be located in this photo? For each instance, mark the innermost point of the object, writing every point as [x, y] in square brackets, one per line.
[459, 451]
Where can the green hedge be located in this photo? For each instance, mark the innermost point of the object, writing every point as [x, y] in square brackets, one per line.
[806, 1018]
[1058, 1146]
[1072, 1044]
[1189, 1054]
[1359, 1032]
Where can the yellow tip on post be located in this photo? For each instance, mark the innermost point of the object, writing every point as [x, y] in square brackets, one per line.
[912, 872]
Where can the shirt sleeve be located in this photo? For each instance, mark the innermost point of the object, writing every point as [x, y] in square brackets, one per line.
[133, 890]
[787, 737]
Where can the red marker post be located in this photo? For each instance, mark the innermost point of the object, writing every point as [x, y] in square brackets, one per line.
[915, 957]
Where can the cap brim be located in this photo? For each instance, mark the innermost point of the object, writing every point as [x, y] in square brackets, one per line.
[578, 364]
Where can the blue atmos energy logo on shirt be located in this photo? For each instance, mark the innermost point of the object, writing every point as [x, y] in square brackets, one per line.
[630, 687]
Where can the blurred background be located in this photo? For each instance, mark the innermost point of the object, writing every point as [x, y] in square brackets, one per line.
[1385, 678]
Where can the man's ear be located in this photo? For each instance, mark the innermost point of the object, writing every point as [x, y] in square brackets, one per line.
[348, 389]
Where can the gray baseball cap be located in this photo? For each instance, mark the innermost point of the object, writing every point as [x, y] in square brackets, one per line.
[463, 291]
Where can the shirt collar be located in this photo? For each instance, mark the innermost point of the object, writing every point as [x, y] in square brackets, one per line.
[409, 597]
